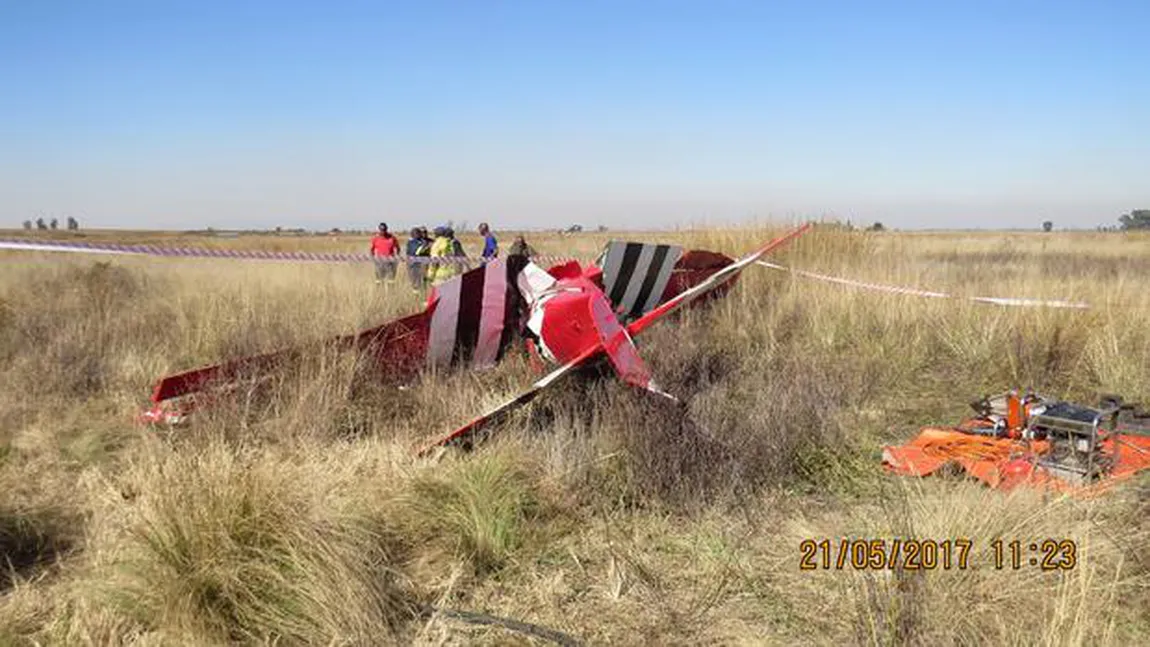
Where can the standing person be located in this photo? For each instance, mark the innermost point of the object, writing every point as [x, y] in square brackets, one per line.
[490, 245]
[418, 248]
[425, 266]
[521, 248]
[446, 254]
[384, 251]
[456, 246]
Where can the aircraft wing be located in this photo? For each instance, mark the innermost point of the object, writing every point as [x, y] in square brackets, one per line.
[712, 282]
[399, 345]
[464, 433]
[719, 278]
[467, 321]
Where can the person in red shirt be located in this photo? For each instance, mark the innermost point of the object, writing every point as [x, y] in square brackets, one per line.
[384, 251]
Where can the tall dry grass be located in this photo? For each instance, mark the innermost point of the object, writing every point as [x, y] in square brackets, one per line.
[296, 514]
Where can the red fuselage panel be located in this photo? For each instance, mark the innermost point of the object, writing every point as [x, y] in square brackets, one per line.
[568, 327]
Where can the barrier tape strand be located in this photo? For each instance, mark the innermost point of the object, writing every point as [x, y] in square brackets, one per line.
[209, 252]
[895, 289]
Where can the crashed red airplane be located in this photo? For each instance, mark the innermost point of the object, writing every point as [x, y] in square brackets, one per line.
[570, 314]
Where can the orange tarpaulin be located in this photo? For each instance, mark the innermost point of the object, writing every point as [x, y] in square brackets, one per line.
[1004, 462]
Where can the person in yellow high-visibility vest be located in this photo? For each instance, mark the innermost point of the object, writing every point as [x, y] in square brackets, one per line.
[446, 256]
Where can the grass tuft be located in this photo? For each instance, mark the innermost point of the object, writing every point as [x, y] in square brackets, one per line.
[478, 511]
[251, 550]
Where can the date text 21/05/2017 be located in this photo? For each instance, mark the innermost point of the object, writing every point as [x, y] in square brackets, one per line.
[930, 554]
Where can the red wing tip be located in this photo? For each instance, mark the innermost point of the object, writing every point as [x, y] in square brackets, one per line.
[454, 437]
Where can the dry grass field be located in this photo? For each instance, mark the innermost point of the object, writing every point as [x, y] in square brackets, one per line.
[301, 517]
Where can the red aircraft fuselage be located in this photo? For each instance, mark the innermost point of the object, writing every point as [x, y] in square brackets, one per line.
[570, 315]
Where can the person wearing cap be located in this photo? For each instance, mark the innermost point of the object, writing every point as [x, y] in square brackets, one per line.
[490, 245]
[418, 248]
[384, 251]
[446, 256]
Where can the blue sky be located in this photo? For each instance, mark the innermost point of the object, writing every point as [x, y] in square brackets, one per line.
[544, 113]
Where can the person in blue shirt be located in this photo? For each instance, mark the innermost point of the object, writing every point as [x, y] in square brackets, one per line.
[490, 245]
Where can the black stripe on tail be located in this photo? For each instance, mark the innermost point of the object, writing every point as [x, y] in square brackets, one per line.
[626, 269]
[654, 269]
[470, 311]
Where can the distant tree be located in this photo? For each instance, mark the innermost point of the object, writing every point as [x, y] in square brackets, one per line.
[876, 227]
[27, 225]
[574, 229]
[602, 228]
[73, 224]
[40, 224]
[55, 224]
[1047, 226]
[836, 224]
[1138, 219]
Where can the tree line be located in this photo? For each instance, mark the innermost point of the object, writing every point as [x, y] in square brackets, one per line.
[1136, 220]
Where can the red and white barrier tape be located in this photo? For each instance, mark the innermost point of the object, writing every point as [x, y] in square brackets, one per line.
[894, 289]
[343, 257]
[206, 252]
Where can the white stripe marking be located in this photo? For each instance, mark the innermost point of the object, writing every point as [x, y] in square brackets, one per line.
[612, 263]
